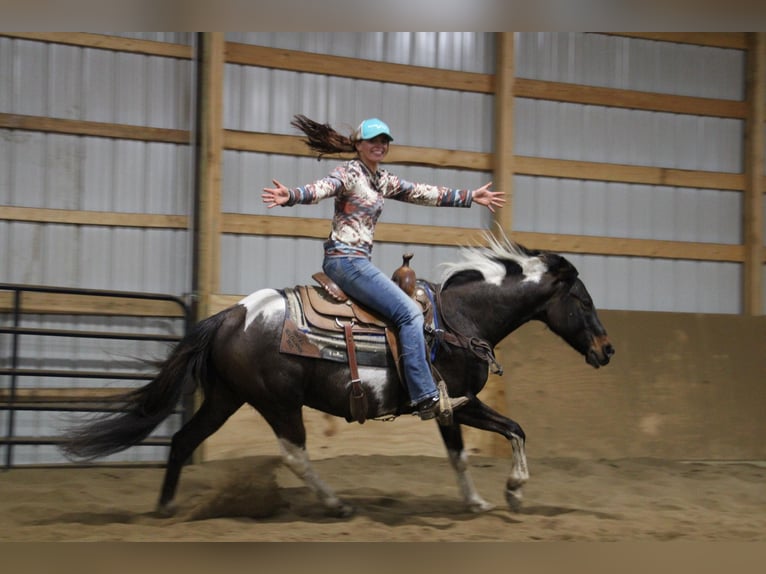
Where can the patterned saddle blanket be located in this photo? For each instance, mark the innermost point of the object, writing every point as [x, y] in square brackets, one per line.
[314, 327]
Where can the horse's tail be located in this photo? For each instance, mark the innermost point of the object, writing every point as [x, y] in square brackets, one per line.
[146, 407]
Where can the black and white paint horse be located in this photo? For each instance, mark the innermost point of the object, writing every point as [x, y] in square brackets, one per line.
[234, 356]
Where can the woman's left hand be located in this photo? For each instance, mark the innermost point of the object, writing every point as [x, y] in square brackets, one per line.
[490, 199]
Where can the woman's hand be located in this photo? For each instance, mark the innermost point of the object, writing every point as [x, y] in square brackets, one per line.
[490, 199]
[274, 196]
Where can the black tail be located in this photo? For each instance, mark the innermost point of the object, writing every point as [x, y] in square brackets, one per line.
[146, 407]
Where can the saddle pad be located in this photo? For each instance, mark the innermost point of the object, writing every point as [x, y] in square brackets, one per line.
[301, 338]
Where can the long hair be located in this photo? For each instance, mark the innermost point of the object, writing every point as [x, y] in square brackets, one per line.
[322, 137]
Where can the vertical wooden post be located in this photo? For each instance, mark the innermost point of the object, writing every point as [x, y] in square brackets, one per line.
[503, 164]
[754, 174]
[494, 394]
[210, 153]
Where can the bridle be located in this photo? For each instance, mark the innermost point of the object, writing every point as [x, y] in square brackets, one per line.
[450, 335]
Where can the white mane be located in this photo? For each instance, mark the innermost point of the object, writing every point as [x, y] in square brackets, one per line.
[484, 260]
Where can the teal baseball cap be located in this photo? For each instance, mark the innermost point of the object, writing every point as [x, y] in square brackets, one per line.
[371, 128]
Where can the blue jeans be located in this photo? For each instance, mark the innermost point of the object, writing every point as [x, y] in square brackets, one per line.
[368, 285]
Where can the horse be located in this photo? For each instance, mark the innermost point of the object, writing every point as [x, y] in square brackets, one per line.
[234, 356]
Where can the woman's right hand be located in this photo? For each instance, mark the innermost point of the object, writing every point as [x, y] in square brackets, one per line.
[274, 196]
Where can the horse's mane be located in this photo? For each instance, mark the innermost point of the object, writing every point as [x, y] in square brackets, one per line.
[494, 262]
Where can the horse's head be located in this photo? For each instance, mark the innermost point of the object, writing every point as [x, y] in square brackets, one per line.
[505, 285]
[569, 312]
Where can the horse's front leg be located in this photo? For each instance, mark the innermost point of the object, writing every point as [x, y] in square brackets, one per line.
[453, 440]
[478, 415]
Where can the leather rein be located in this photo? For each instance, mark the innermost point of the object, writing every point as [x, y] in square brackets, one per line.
[479, 347]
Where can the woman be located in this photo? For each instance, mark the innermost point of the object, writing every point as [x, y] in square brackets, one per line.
[359, 187]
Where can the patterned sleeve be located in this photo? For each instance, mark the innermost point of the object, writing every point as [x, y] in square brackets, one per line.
[425, 194]
[315, 192]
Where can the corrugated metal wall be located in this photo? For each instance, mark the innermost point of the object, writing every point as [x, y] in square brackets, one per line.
[87, 173]
[634, 137]
[56, 171]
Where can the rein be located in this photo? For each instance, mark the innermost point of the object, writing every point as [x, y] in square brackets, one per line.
[479, 347]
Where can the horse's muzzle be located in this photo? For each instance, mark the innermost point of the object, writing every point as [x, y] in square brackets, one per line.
[600, 352]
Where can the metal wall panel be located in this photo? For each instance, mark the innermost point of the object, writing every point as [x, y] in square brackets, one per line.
[464, 51]
[54, 171]
[631, 63]
[635, 137]
[96, 174]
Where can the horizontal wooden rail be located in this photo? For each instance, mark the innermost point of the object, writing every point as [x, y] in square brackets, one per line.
[233, 223]
[726, 40]
[106, 42]
[61, 304]
[631, 99]
[402, 155]
[731, 40]
[93, 129]
[96, 218]
[358, 69]
[65, 395]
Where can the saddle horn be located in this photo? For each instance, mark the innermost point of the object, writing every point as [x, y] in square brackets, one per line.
[404, 276]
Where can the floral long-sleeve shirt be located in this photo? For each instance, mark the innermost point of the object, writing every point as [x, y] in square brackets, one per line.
[359, 196]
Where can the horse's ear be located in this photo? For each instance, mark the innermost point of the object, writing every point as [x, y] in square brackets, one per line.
[561, 269]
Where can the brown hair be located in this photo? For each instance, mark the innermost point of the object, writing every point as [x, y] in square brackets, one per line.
[322, 137]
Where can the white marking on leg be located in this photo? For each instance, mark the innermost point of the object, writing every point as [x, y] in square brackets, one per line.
[459, 461]
[297, 460]
[262, 303]
[519, 474]
[519, 470]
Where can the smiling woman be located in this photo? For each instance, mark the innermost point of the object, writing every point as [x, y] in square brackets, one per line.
[360, 187]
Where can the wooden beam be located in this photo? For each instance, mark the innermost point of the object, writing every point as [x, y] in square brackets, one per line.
[732, 40]
[401, 154]
[95, 218]
[209, 169]
[503, 159]
[573, 169]
[68, 304]
[626, 247]
[105, 42]
[298, 61]
[94, 129]
[632, 99]
[754, 171]
[235, 223]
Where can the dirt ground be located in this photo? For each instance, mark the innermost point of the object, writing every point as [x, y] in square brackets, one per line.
[402, 487]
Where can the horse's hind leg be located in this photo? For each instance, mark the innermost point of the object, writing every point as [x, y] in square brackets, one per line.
[289, 428]
[453, 440]
[217, 407]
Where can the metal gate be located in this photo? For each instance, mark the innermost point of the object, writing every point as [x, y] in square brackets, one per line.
[45, 381]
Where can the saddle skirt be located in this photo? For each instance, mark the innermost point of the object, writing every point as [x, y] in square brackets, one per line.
[314, 325]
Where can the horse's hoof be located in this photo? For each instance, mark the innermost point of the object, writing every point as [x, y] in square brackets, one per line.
[479, 506]
[513, 497]
[341, 510]
[165, 510]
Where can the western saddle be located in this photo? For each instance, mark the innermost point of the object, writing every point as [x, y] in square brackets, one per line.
[329, 308]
